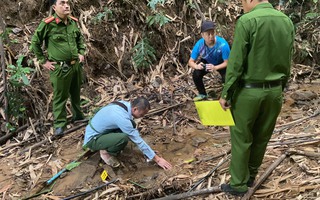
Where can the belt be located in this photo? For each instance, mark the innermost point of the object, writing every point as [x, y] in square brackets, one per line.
[71, 62]
[66, 65]
[268, 84]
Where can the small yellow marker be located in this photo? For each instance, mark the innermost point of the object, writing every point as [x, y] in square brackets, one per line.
[190, 160]
[104, 175]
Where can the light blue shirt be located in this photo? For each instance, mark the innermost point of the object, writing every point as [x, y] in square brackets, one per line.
[112, 117]
[214, 55]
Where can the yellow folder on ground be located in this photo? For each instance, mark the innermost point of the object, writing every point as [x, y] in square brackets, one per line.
[211, 113]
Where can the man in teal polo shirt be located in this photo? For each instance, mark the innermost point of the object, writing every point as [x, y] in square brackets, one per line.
[65, 47]
[258, 70]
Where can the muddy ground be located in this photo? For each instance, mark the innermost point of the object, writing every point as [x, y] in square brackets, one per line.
[191, 150]
[176, 133]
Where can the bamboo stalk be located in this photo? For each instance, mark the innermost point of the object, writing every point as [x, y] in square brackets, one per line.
[4, 76]
[53, 138]
[191, 194]
[304, 153]
[210, 173]
[264, 176]
[152, 112]
[12, 134]
[199, 10]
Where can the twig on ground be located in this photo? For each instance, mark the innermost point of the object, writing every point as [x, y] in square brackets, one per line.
[89, 191]
[152, 112]
[52, 138]
[191, 194]
[282, 127]
[304, 153]
[263, 177]
[12, 134]
[210, 173]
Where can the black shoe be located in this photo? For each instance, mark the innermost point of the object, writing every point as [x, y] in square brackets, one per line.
[228, 189]
[250, 182]
[59, 131]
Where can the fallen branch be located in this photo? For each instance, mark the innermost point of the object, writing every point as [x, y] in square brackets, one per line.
[152, 112]
[210, 173]
[189, 118]
[296, 142]
[263, 177]
[216, 156]
[89, 191]
[5, 138]
[52, 138]
[281, 127]
[304, 153]
[191, 194]
[16, 144]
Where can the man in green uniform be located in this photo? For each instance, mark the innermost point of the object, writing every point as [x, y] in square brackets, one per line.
[258, 69]
[65, 48]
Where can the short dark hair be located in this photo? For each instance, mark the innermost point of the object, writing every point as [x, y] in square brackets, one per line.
[141, 103]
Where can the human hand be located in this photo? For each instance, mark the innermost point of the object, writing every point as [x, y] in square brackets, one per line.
[49, 65]
[81, 58]
[200, 66]
[162, 163]
[224, 104]
[210, 67]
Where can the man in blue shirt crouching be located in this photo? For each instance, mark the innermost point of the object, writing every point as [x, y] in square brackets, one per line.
[111, 128]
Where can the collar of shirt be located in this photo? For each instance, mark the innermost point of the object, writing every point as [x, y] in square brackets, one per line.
[262, 5]
[58, 19]
[128, 104]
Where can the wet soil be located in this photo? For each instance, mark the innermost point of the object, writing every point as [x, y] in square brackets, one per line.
[191, 150]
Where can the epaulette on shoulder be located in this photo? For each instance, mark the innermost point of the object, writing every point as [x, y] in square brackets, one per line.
[49, 19]
[75, 19]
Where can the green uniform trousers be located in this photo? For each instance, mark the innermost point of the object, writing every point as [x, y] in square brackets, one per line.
[113, 143]
[255, 111]
[66, 82]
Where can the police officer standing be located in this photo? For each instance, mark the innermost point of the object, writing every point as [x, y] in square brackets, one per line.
[65, 55]
[258, 69]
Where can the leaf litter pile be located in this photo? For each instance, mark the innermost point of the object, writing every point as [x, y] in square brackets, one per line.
[31, 156]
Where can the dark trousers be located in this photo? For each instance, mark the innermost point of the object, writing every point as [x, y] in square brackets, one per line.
[198, 79]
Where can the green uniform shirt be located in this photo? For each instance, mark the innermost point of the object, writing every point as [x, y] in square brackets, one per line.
[63, 42]
[260, 49]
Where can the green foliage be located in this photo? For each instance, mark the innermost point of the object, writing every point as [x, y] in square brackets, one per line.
[158, 18]
[105, 15]
[5, 35]
[10, 127]
[16, 107]
[18, 73]
[311, 15]
[17, 79]
[144, 54]
[153, 3]
[191, 4]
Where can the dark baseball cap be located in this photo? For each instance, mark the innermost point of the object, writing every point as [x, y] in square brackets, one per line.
[207, 25]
